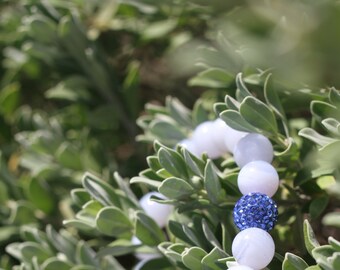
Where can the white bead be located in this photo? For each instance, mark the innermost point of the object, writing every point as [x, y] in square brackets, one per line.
[203, 140]
[141, 255]
[190, 146]
[240, 267]
[253, 247]
[159, 212]
[253, 147]
[232, 138]
[258, 176]
[221, 131]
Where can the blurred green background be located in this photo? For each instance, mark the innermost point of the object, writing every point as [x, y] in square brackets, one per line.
[76, 75]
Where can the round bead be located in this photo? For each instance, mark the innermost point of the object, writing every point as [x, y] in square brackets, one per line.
[232, 138]
[159, 212]
[240, 267]
[202, 138]
[221, 132]
[190, 146]
[255, 210]
[253, 147]
[258, 176]
[143, 255]
[254, 248]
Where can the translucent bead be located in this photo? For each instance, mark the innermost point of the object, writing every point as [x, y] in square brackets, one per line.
[221, 132]
[254, 248]
[253, 147]
[240, 267]
[159, 212]
[258, 176]
[143, 255]
[202, 138]
[190, 146]
[232, 138]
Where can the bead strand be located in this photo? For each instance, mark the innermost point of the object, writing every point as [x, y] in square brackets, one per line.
[255, 213]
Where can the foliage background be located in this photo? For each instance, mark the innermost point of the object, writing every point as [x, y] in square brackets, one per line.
[75, 78]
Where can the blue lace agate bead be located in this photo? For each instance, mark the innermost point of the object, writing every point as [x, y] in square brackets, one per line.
[255, 210]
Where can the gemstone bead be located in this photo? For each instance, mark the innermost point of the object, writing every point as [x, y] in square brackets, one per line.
[202, 138]
[221, 131]
[253, 147]
[255, 210]
[158, 212]
[232, 138]
[254, 248]
[258, 176]
[190, 146]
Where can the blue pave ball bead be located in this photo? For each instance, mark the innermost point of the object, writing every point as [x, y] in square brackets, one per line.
[255, 210]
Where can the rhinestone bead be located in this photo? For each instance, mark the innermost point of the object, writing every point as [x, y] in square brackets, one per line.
[255, 210]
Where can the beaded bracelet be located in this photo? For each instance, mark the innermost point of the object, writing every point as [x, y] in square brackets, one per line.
[255, 213]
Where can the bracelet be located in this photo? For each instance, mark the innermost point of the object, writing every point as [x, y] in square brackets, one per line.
[255, 213]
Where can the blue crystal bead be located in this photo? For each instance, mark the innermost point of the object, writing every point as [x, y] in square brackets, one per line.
[255, 210]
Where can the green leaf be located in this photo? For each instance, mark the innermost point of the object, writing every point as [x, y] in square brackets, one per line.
[210, 261]
[293, 262]
[334, 96]
[195, 165]
[244, 92]
[158, 29]
[113, 222]
[172, 162]
[31, 249]
[40, 195]
[313, 267]
[315, 137]
[178, 111]
[332, 125]
[192, 257]
[56, 264]
[146, 181]
[212, 77]
[236, 121]
[258, 114]
[147, 231]
[165, 131]
[232, 103]
[332, 219]
[86, 255]
[176, 229]
[209, 235]
[175, 188]
[100, 190]
[322, 110]
[272, 97]
[212, 184]
[159, 264]
[199, 113]
[68, 156]
[309, 237]
[334, 243]
[118, 248]
[321, 255]
[9, 98]
[80, 196]
[219, 107]
[318, 205]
